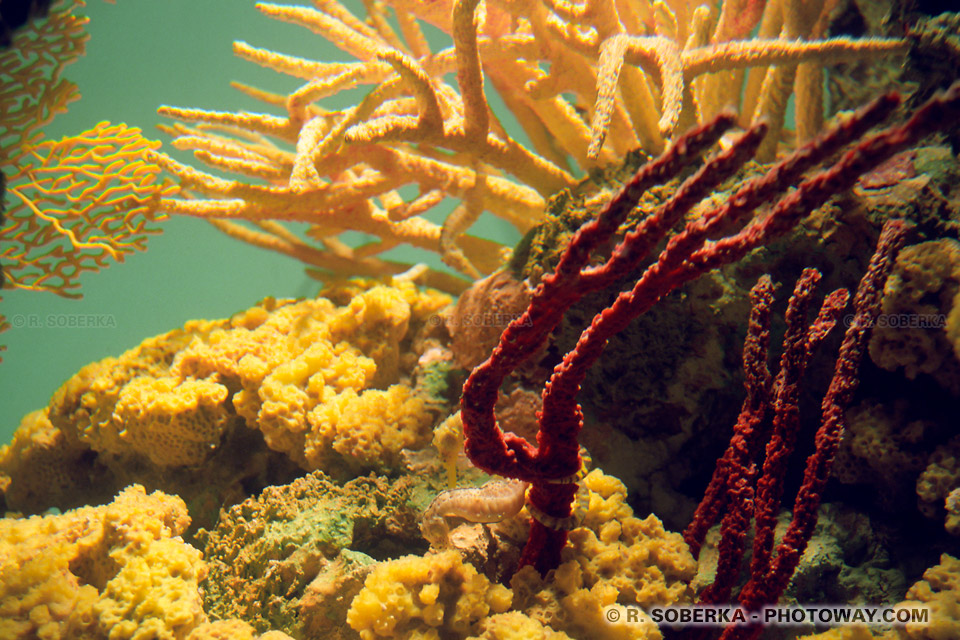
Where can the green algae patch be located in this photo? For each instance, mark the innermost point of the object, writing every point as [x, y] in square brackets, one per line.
[266, 551]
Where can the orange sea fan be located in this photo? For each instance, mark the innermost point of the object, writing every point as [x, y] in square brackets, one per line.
[32, 91]
[81, 201]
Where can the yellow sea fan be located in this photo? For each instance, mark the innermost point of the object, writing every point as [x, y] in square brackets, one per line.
[78, 203]
[32, 90]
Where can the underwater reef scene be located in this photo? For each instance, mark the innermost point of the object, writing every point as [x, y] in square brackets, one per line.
[719, 372]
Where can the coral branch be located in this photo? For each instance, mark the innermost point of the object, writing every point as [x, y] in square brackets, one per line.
[766, 588]
[735, 462]
[487, 446]
[731, 485]
[786, 412]
[83, 201]
[573, 74]
[551, 466]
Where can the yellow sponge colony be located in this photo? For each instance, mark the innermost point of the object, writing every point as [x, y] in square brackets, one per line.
[645, 563]
[170, 421]
[116, 571]
[328, 386]
[158, 420]
[41, 465]
[612, 559]
[432, 597]
[514, 625]
[297, 371]
[920, 328]
[232, 630]
[940, 591]
[941, 476]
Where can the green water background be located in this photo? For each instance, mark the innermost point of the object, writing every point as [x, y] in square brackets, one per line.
[141, 54]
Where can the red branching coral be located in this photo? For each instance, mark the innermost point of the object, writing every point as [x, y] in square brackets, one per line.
[551, 467]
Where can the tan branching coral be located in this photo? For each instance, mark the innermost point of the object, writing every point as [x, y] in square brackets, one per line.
[332, 186]
[672, 45]
[570, 74]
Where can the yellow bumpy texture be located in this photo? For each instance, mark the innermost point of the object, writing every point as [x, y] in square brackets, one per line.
[436, 596]
[614, 559]
[324, 384]
[919, 329]
[938, 592]
[117, 571]
[611, 559]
